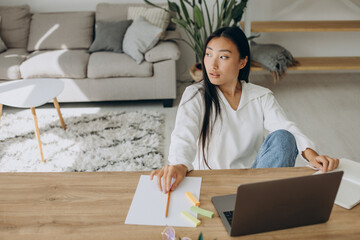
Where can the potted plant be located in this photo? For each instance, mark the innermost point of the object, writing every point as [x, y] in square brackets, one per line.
[200, 24]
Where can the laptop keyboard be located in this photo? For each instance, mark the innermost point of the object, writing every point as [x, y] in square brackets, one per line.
[229, 216]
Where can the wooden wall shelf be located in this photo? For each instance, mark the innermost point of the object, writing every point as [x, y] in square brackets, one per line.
[323, 63]
[313, 63]
[305, 26]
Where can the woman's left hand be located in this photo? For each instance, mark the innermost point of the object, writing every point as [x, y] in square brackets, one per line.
[324, 163]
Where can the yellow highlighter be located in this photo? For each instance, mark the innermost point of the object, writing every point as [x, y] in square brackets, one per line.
[196, 222]
[192, 199]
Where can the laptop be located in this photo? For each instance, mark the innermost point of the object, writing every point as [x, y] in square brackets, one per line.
[278, 204]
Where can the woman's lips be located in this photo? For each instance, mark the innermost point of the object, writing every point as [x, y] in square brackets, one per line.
[215, 75]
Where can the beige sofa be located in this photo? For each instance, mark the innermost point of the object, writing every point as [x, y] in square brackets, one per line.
[55, 45]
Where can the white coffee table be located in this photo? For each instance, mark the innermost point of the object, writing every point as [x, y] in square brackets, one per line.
[31, 93]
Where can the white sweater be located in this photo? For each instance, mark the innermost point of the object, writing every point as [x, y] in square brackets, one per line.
[237, 135]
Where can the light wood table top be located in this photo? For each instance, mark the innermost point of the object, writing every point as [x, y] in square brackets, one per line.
[94, 206]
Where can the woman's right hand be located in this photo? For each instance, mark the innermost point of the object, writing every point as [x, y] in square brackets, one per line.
[167, 173]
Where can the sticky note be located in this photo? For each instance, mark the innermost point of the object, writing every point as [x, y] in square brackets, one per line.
[192, 199]
[190, 218]
[201, 211]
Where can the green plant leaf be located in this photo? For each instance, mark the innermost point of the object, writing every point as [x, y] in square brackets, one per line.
[200, 236]
[151, 4]
[174, 8]
[227, 12]
[223, 14]
[199, 17]
[188, 2]
[217, 10]
[238, 11]
[185, 11]
[227, 17]
[224, 4]
[154, 5]
[181, 22]
[230, 7]
[209, 20]
[221, 17]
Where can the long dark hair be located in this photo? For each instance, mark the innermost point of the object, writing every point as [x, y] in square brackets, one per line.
[211, 97]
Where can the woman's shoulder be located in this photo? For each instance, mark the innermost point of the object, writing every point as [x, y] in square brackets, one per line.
[255, 91]
[195, 87]
[194, 91]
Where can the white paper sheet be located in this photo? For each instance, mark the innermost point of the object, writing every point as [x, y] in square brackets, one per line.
[149, 203]
[348, 195]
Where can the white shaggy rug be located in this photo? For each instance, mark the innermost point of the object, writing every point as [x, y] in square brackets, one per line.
[114, 141]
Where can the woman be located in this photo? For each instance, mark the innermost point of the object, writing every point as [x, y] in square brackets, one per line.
[221, 122]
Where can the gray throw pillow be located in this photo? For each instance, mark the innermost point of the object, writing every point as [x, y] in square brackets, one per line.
[15, 25]
[140, 37]
[109, 36]
[272, 57]
[2, 44]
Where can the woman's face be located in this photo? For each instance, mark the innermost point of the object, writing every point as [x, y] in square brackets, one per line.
[222, 61]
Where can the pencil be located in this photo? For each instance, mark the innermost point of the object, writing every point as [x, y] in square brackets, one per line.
[167, 204]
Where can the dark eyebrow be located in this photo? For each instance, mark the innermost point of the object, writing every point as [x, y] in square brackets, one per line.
[223, 50]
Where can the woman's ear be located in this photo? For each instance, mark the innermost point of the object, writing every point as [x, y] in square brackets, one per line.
[243, 62]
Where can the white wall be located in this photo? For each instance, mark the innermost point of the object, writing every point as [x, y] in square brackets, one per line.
[310, 43]
[299, 44]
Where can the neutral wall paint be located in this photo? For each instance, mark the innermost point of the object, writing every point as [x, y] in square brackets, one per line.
[299, 44]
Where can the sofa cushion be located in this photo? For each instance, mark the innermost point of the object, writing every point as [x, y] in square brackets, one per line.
[165, 50]
[56, 64]
[109, 36]
[15, 25]
[155, 16]
[68, 30]
[109, 64]
[10, 63]
[110, 12]
[139, 38]
[114, 12]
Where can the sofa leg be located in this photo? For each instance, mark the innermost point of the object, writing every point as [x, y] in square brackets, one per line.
[168, 102]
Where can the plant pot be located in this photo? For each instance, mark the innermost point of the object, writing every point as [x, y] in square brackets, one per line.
[196, 72]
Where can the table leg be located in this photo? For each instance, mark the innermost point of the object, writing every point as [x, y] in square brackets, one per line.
[1, 106]
[57, 106]
[37, 133]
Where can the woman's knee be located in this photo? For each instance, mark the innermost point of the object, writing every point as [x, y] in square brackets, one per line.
[282, 137]
[287, 142]
[278, 150]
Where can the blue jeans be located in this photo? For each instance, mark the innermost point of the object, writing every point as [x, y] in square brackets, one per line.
[278, 150]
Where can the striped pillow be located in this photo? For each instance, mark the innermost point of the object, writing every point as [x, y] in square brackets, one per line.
[155, 16]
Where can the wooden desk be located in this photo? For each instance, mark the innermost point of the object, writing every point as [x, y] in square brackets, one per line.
[94, 206]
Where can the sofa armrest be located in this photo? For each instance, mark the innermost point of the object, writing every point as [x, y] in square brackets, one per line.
[164, 50]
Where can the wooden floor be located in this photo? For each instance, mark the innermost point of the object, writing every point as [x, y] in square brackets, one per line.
[326, 107]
